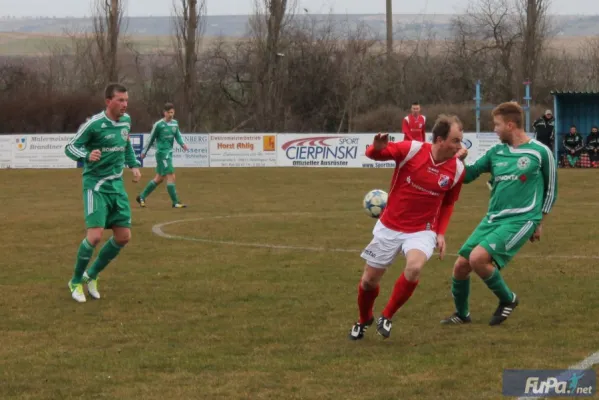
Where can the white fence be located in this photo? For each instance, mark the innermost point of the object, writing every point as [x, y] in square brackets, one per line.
[230, 150]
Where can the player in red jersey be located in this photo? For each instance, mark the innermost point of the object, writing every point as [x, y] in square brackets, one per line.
[413, 126]
[425, 185]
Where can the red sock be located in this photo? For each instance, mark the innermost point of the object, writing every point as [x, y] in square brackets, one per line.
[402, 291]
[366, 302]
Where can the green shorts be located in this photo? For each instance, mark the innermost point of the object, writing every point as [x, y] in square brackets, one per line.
[105, 210]
[502, 240]
[164, 164]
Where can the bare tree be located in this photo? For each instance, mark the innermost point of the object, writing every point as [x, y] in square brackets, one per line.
[267, 27]
[108, 23]
[189, 30]
[490, 28]
[534, 26]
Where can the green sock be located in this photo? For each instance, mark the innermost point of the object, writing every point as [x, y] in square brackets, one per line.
[148, 189]
[460, 289]
[172, 192]
[496, 283]
[85, 252]
[107, 253]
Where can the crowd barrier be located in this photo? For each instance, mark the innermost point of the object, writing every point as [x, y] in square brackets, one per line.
[345, 150]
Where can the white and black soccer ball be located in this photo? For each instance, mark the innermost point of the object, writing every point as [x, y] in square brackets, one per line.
[375, 202]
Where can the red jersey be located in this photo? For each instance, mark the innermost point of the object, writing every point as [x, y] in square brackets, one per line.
[422, 192]
[414, 128]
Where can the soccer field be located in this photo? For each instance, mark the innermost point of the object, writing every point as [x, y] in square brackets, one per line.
[243, 299]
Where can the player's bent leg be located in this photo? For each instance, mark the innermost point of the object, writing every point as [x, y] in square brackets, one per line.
[108, 252]
[460, 291]
[153, 184]
[172, 191]
[119, 220]
[482, 263]
[84, 254]
[402, 290]
[379, 255]
[418, 248]
[95, 213]
[368, 291]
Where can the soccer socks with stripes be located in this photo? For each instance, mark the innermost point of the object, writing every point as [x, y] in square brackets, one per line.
[402, 291]
[496, 283]
[172, 192]
[107, 253]
[460, 289]
[366, 300]
[84, 254]
[148, 189]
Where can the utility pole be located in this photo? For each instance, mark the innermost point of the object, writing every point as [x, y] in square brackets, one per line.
[389, 29]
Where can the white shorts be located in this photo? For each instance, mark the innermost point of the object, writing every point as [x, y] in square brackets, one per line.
[387, 243]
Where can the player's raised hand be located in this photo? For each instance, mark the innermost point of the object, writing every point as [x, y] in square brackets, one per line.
[136, 174]
[441, 246]
[536, 236]
[381, 140]
[95, 155]
[462, 153]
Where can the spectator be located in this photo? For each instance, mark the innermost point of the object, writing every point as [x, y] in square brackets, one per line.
[593, 147]
[544, 128]
[573, 144]
[414, 125]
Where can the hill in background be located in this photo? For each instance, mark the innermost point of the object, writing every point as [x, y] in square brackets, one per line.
[407, 26]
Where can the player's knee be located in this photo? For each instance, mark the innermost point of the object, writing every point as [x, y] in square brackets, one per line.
[158, 179]
[479, 258]
[413, 269]
[123, 237]
[369, 281]
[170, 178]
[94, 236]
[461, 268]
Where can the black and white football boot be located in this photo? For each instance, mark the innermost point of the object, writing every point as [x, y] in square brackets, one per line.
[357, 331]
[383, 327]
[503, 311]
[455, 319]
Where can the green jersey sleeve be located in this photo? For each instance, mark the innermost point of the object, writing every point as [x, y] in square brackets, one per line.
[76, 149]
[152, 139]
[179, 138]
[130, 158]
[480, 166]
[550, 179]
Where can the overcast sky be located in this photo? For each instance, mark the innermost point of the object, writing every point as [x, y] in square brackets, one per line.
[78, 8]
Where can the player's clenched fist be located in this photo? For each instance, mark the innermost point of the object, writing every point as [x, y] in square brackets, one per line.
[381, 140]
[95, 155]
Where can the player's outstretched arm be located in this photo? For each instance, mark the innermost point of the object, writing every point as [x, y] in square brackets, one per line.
[153, 134]
[76, 148]
[383, 150]
[480, 166]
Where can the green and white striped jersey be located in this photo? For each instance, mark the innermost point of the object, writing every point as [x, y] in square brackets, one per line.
[164, 134]
[112, 139]
[524, 181]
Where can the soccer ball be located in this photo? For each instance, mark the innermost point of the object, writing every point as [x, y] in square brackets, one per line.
[375, 202]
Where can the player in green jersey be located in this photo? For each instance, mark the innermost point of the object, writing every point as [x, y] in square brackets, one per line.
[523, 193]
[164, 133]
[102, 144]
